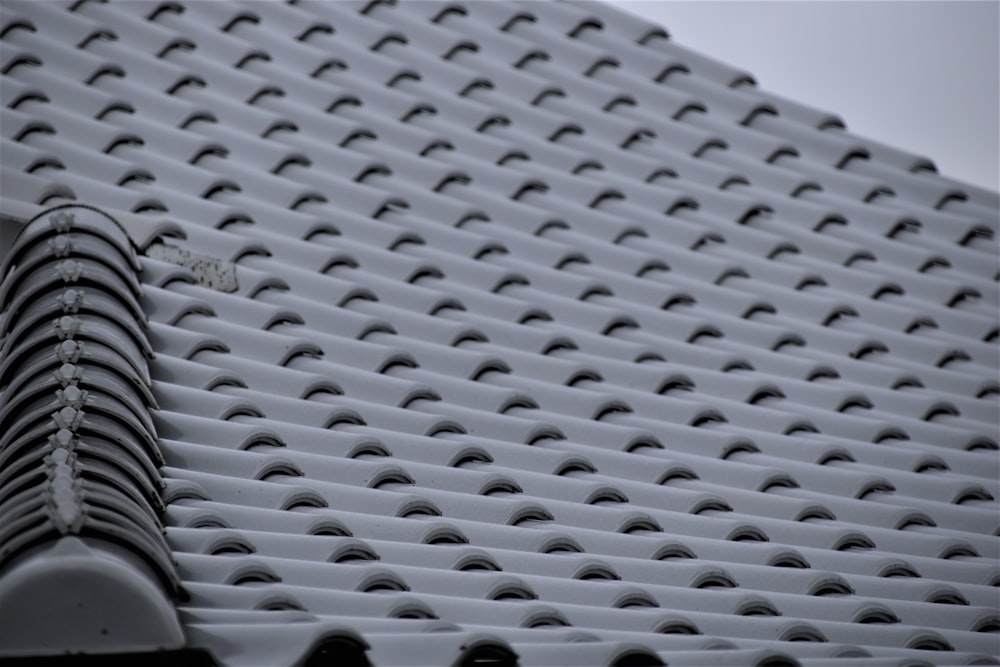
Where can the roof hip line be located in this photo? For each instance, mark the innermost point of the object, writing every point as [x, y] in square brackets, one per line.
[80, 490]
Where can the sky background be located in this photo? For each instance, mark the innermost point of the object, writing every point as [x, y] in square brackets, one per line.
[922, 75]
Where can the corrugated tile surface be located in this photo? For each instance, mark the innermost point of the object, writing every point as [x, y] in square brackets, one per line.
[519, 332]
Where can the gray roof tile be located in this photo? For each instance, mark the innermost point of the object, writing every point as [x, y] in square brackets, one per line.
[480, 331]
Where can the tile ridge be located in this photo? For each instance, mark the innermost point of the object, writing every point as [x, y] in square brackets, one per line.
[84, 565]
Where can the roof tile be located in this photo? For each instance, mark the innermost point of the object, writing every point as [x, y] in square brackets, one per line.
[482, 331]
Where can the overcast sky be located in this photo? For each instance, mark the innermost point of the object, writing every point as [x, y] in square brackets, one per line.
[920, 75]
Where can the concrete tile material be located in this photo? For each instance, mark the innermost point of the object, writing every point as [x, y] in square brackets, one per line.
[399, 333]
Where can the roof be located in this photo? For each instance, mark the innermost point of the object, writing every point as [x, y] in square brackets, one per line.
[455, 332]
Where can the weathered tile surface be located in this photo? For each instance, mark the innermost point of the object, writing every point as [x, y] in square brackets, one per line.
[494, 330]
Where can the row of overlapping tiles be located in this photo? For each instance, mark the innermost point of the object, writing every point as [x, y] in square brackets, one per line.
[483, 204]
[80, 489]
[78, 449]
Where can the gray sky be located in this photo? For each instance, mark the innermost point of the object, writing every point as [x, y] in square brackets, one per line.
[920, 75]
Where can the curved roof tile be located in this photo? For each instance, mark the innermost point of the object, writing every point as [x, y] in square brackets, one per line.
[80, 488]
[462, 332]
